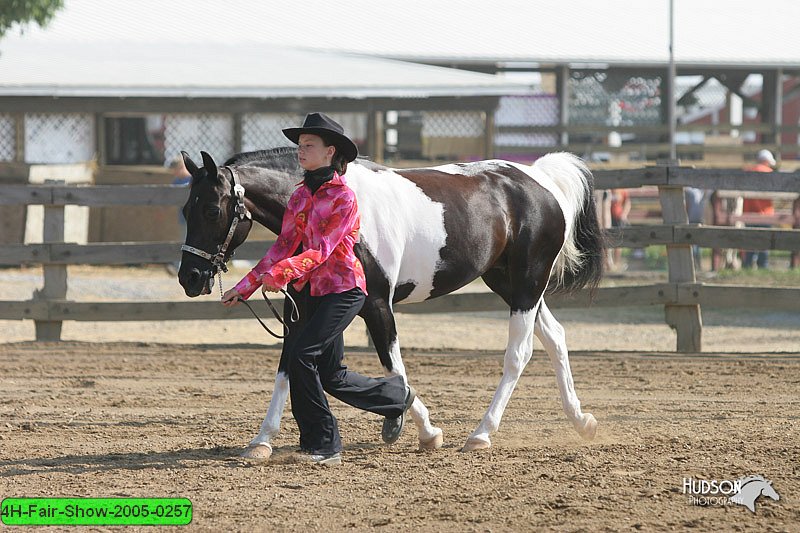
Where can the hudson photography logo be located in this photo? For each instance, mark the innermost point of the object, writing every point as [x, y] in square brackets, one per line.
[743, 491]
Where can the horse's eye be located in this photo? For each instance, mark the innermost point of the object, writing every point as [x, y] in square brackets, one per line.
[212, 211]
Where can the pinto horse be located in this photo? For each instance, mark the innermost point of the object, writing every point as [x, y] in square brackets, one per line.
[424, 232]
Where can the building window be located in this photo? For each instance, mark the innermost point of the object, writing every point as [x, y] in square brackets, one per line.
[134, 140]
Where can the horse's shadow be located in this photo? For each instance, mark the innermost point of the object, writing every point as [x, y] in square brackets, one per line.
[226, 456]
[82, 464]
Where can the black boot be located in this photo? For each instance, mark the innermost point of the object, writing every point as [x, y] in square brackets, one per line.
[392, 427]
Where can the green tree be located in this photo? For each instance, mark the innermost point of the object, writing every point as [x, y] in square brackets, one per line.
[24, 12]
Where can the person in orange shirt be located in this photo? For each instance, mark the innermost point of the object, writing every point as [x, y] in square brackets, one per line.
[765, 162]
[620, 208]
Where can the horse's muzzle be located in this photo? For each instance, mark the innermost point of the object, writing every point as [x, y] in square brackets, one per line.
[196, 282]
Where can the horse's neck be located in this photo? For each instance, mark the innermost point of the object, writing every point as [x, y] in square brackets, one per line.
[266, 195]
[755, 485]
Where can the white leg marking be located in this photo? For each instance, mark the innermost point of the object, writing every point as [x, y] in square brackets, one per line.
[551, 333]
[272, 422]
[518, 353]
[398, 368]
[429, 436]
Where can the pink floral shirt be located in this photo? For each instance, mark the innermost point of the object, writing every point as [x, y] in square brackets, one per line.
[327, 225]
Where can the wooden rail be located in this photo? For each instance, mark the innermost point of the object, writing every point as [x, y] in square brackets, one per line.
[682, 296]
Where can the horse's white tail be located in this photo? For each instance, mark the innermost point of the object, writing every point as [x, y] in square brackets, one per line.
[580, 261]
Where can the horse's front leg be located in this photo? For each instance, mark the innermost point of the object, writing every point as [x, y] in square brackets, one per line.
[260, 448]
[378, 316]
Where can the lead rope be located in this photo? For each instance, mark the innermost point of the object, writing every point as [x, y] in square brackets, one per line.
[294, 316]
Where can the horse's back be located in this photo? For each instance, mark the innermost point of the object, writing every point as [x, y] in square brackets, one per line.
[439, 228]
[401, 226]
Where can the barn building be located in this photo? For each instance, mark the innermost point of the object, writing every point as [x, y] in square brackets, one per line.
[127, 89]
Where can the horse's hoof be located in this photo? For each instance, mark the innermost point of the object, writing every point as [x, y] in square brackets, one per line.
[257, 452]
[433, 443]
[587, 427]
[474, 443]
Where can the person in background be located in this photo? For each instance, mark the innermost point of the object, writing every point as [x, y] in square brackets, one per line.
[695, 211]
[620, 208]
[180, 178]
[180, 175]
[765, 162]
[603, 201]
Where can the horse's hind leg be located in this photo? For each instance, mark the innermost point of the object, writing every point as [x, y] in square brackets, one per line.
[378, 316]
[518, 353]
[551, 333]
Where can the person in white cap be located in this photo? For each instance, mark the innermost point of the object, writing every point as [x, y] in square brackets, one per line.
[765, 162]
[766, 157]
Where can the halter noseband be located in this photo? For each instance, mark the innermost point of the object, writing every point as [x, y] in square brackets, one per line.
[241, 213]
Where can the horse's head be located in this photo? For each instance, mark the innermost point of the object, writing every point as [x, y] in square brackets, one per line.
[216, 223]
[768, 491]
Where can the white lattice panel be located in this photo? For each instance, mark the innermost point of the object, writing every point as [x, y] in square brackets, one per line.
[53, 138]
[263, 130]
[8, 138]
[212, 133]
[354, 124]
[537, 110]
[453, 124]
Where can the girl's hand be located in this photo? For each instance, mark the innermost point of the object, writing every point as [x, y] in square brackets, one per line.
[231, 298]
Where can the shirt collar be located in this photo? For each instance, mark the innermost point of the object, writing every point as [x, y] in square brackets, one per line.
[337, 180]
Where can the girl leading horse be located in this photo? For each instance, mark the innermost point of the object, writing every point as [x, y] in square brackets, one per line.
[425, 233]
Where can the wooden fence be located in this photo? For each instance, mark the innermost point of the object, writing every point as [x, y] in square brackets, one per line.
[682, 296]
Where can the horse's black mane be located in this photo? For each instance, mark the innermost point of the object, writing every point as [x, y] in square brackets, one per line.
[283, 158]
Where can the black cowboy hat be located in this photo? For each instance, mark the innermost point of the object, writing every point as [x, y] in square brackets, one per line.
[324, 126]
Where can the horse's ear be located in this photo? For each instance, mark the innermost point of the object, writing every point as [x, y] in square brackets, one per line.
[209, 164]
[190, 166]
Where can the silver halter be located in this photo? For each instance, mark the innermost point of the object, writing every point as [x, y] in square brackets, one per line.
[241, 213]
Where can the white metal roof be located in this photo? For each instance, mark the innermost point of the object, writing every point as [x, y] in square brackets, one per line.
[729, 32]
[210, 69]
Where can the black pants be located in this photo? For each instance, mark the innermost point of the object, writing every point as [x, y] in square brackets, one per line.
[315, 367]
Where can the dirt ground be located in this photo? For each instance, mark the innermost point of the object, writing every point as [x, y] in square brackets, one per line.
[157, 420]
[144, 409]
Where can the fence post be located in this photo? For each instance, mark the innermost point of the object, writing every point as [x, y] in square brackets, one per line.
[55, 276]
[376, 134]
[684, 319]
[794, 262]
[488, 135]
